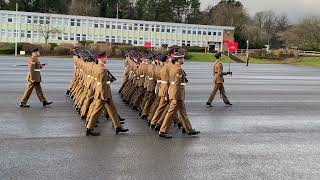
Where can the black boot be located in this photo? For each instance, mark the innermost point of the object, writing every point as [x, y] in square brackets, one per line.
[165, 135]
[46, 103]
[144, 117]
[68, 92]
[83, 117]
[183, 131]
[90, 132]
[209, 104]
[179, 125]
[121, 130]
[24, 105]
[157, 128]
[193, 132]
[152, 126]
[120, 118]
[149, 123]
[228, 103]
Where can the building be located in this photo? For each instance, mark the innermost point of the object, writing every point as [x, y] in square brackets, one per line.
[34, 27]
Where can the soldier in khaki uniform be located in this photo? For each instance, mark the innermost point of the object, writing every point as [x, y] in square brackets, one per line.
[103, 98]
[219, 80]
[34, 79]
[176, 93]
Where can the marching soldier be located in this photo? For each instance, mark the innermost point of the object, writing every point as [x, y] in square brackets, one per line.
[34, 79]
[103, 98]
[218, 80]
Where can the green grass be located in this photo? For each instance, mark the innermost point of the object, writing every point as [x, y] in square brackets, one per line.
[263, 61]
[206, 57]
[308, 61]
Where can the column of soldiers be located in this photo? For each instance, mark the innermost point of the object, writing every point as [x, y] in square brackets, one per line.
[155, 85]
[91, 92]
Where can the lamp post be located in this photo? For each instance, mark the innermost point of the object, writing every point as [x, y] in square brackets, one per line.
[17, 34]
[247, 53]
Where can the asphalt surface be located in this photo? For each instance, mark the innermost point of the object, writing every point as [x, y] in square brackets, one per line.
[271, 132]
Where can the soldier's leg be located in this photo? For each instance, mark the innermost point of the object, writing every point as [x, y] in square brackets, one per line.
[154, 107]
[39, 92]
[113, 113]
[125, 80]
[213, 93]
[145, 97]
[95, 113]
[165, 127]
[223, 94]
[147, 106]
[184, 117]
[161, 107]
[163, 115]
[27, 93]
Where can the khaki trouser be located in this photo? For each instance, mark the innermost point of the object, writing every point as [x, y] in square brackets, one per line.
[154, 107]
[220, 87]
[161, 108]
[150, 99]
[29, 89]
[173, 107]
[182, 113]
[99, 105]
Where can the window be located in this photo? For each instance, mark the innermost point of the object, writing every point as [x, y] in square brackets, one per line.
[78, 22]
[84, 37]
[125, 26]
[72, 22]
[47, 20]
[113, 25]
[89, 37]
[173, 30]
[163, 28]
[147, 27]
[29, 19]
[209, 33]
[96, 38]
[96, 24]
[59, 36]
[168, 30]
[141, 41]
[119, 26]
[28, 34]
[214, 33]
[141, 27]
[23, 19]
[204, 32]
[90, 23]
[152, 28]
[41, 21]
[113, 39]
[60, 22]
[35, 34]
[158, 28]
[184, 31]
[108, 25]
[66, 36]
[189, 31]
[101, 24]
[71, 37]
[188, 43]
[15, 33]
[10, 19]
[22, 33]
[78, 37]
[199, 33]
[135, 42]
[135, 27]
[130, 27]
[35, 19]
[118, 39]
[84, 23]
[3, 33]
[219, 33]
[10, 33]
[54, 36]
[107, 38]
[194, 31]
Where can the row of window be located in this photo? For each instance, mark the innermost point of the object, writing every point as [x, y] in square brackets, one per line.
[84, 37]
[111, 25]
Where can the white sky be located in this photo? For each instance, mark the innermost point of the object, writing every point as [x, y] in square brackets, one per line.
[295, 9]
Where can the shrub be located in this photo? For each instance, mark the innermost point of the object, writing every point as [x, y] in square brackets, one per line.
[62, 51]
[7, 51]
[53, 45]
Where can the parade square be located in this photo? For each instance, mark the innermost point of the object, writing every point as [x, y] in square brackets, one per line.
[271, 132]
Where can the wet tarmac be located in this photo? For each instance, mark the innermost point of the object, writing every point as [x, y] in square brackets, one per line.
[271, 132]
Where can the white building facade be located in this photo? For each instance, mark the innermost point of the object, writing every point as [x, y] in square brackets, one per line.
[33, 27]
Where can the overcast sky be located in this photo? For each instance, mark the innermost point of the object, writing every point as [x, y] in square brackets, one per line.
[295, 9]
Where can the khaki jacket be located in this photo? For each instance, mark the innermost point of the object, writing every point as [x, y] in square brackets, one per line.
[164, 78]
[176, 78]
[102, 89]
[152, 77]
[218, 72]
[34, 70]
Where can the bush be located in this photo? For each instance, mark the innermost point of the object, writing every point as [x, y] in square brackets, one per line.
[7, 51]
[62, 51]
[53, 45]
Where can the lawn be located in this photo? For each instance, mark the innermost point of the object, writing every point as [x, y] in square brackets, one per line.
[206, 57]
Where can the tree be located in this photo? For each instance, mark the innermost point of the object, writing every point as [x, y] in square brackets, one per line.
[3, 4]
[84, 7]
[50, 6]
[46, 31]
[194, 16]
